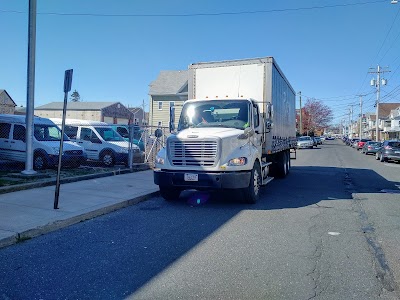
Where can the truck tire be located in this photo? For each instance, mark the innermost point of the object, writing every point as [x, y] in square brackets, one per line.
[169, 194]
[252, 192]
[287, 153]
[281, 167]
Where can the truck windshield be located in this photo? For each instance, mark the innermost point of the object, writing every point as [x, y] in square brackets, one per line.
[215, 113]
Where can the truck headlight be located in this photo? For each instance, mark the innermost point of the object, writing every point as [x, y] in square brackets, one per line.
[238, 161]
[160, 160]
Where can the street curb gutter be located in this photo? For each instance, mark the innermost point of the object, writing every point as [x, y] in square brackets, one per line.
[31, 233]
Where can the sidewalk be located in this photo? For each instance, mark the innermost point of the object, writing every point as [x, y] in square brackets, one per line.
[29, 213]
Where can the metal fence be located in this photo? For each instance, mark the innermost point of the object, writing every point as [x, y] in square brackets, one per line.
[86, 145]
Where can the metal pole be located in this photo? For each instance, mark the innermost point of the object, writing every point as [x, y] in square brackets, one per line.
[67, 88]
[30, 101]
[378, 91]
[301, 117]
[57, 192]
[361, 117]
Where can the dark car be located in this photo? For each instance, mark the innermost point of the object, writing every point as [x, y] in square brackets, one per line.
[123, 130]
[370, 147]
[361, 143]
[390, 150]
[318, 140]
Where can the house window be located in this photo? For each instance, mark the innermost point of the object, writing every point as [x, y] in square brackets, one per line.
[160, 105]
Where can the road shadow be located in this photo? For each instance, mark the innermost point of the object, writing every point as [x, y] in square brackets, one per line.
[115, 255]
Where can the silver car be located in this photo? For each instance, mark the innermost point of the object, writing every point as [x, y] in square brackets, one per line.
[305, 142]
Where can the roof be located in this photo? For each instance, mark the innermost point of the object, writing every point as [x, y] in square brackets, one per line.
[169, 83]
[4, 91]
[21, 119]
[78, 122]
[76, 105]
[385, 108]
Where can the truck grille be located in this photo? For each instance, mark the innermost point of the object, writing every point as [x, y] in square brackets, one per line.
[193, 153]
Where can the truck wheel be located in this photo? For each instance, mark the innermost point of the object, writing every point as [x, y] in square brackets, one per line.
[281, 167]
[39, 162]
[288, 163]
[252, 192]
[107, 158]
[169, 194]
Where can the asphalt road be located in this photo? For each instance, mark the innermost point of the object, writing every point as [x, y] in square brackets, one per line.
[327, 231]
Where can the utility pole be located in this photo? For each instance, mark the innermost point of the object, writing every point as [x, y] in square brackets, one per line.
[144, 115]
[30, 106]
[351, 121]
[301, 117]
[360, 135]
[377, 83]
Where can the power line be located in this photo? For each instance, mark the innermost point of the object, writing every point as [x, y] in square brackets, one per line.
[199, 14]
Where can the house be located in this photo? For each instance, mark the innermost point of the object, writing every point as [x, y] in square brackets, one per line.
[139, 116]
[169, 89]
[7, 104]
[109, 112]
[384, 122]
[392, 130]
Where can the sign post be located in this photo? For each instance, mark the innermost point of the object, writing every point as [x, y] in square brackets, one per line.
[67, 88]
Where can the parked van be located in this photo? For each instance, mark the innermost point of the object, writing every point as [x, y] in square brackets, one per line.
[136, 137]
[46, 143]
[100, 141]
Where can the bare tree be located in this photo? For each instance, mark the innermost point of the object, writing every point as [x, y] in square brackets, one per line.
[316, 115]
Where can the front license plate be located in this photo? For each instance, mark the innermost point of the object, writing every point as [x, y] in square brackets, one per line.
[191, 177]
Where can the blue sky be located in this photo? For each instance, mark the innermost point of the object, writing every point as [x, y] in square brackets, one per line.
[324, 47]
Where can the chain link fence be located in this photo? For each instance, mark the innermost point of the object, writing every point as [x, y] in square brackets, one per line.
[87, 145]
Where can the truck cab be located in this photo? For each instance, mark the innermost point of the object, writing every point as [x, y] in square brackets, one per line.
[216, 146]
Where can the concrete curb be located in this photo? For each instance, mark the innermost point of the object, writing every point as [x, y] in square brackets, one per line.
[31, 233]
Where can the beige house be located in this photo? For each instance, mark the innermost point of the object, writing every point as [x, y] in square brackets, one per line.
[169, 89]
[109, 112]
[386, 125]
[7, 104]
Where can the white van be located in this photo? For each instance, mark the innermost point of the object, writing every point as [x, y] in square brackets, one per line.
[100, 141]
[46, 143]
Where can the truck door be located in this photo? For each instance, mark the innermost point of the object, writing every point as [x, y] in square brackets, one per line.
[258, 136]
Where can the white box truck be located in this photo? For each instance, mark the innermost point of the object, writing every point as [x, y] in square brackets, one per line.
[235, 132]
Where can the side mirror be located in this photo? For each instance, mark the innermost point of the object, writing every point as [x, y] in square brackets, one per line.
[172, 119]
[269, 110]
[268, 124]
[158, 133]
[248, 132]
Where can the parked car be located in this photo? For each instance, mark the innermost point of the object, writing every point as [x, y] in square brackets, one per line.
[390, 150]
[371, 147]
[123, 130]
[318, 140]
[354, 143]
[46, 143]
[361, 143]
[305, 142]
[101, 142]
